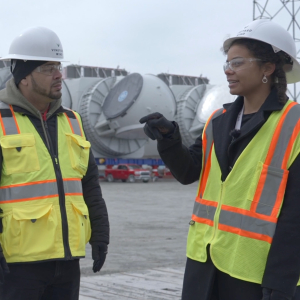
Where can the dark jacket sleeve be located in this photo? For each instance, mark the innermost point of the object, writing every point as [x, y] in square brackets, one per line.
[283, 264]
[96, 205]
[184, 163]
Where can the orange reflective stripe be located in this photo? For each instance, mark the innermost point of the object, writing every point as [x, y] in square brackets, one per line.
[202, 220]
[29, 199]
[209, 119]
[265, 182]
[277, 133]
[205, 174]
[2, 125]
[72, 179]
[280, 195]
[259, 189]
[39, 190]
[37, 182]
[69, 123]
[204, 145]
[290, 145]
[206, 202]
[206, 148]
[245, 233]
[78, 124]
[249, 213]
[27, 183]
[13, 113]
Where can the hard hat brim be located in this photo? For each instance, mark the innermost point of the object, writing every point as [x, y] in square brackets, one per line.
[27, 57]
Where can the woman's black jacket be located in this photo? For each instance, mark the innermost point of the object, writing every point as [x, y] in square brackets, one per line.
[283, 264]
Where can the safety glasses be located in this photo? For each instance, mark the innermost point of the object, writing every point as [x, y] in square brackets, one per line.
[48, 69]
[239, 63]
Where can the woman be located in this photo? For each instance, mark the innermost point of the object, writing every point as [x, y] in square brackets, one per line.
[244, 237]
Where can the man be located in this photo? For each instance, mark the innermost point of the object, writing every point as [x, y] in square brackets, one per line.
[50, 200]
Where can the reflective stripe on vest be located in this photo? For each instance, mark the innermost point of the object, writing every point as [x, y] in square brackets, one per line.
[42, 190]
[260, 221]
[8, 122]
[74, 123]
[204, 210]
[39, 189]
[279, 150]
[10, 125]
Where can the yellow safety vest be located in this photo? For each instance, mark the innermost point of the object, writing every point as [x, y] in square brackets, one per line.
[31, 185]
[238, 216]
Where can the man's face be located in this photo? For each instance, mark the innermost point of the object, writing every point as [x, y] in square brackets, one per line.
[46, 81]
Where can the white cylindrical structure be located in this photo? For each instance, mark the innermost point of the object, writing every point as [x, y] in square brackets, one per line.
[214, 97]
[111, 108]
[5, 75]
[187, 100]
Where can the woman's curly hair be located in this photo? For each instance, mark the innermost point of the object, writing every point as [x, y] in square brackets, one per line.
[265, 53]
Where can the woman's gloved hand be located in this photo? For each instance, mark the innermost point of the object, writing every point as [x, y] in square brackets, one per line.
[269, 294]
[156, 125]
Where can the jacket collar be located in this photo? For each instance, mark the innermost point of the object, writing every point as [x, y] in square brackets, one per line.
[225, 123]
[60, 109]
[11, 95]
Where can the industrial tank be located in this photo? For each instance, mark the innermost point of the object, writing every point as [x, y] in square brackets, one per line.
[111, 109]
[5, 75]
[213, 98]
[188, 99]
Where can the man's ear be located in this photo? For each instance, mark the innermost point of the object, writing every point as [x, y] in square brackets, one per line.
[24, 81]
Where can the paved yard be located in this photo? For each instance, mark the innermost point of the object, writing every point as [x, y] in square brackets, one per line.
[146, 257]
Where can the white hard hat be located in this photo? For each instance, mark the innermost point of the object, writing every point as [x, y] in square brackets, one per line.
[271, 33]
[36, 43]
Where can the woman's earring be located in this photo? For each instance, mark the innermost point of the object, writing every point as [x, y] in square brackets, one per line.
[265, 79]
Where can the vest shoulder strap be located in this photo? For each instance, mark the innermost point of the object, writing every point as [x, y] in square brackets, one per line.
[207, 135]
[74, 122]
[7, 119]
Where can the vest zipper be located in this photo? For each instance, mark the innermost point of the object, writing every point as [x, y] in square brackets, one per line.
[61, 194]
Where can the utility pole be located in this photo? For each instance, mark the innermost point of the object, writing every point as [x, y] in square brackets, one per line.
[283, 12]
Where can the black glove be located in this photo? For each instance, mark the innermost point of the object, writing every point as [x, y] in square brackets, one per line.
[156, 125]
[99, 252]
[269, 294]
[3, 266]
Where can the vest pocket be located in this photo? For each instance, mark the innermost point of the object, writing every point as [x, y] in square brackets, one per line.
[19, 153]
[29, 232]
[267, 189]
[79, 150]
[79, 225]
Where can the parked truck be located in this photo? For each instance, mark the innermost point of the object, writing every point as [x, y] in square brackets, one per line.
[127, 172]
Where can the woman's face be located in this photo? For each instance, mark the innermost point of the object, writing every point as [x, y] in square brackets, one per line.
[243, 74]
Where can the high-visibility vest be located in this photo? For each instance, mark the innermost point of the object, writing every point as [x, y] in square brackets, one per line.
[37, 225]
[238, 216]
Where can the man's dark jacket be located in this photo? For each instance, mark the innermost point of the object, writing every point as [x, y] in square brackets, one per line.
[283, 264]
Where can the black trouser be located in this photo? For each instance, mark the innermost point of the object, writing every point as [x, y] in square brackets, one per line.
[203, 281]
[55, 280]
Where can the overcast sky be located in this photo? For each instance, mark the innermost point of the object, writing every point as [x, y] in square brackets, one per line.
[145, 36]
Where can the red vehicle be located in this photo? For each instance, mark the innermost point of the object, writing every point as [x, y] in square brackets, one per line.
[156, 174]
[127, 172]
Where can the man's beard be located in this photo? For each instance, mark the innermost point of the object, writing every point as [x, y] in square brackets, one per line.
[43, 92]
